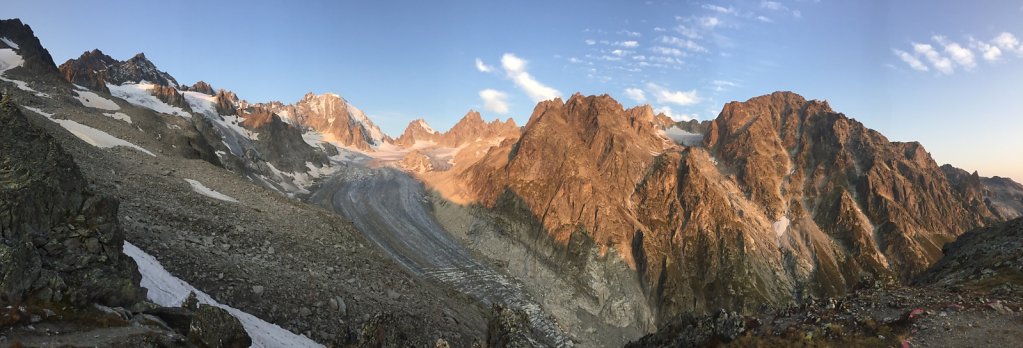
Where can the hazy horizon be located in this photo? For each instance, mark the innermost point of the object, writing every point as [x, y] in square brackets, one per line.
[906, 69]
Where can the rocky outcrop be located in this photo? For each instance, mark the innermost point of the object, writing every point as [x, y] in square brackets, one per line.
[988, 259]
[508, 328]
[171, 96]
[278, 142]
[471, 128]
[37, 59]
[214, 327]
[201, 87]
[226, 102]
[417, 131]
[61, 241]
[331, 115]
[94, 69]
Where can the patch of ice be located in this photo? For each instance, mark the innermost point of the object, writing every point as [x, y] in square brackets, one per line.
[80, 87]
[93, 100]
[206, 105]
[138, 94]
[208, 192]
[9, 43]
[119, 116]
[10, 60]
[781, 226]
[167, 290]
[93, 136]
[426, 127]
[681, 136]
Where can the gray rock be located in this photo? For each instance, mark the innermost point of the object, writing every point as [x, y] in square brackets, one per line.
[257, 290]
[214, 327]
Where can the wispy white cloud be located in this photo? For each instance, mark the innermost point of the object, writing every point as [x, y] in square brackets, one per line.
[710, 21]
[938, 62]
[772, 5]
[667, 51]
[483, 67]
[913, 62]
[515, 67]
[988, 51]
[636, 94]
[590, 42]
[720, 9]
[667, 111]
[687, 44]
[665, 96]
[630, 33]
[495, 100]
[629, 44]
[764, 19]
[721, 85]
[961, 55]
[1006, 41]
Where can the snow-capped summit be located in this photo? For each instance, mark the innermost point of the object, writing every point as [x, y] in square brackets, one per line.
[333, 116]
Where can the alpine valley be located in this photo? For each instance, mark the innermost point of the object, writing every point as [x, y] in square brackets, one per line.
[140, 210]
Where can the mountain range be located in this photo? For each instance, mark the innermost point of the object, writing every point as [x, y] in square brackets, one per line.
[593, 224]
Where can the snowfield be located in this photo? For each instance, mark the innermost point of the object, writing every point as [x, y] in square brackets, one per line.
[93, 100]
[93, 136]
[138, 94]
[167, 290]
[119, 116]
[208, 192]
[10, 60]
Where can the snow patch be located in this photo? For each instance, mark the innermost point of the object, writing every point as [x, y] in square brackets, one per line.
[93, 100]
[781, 226]
[167, 290]
[10, 60]
[426, 127]
[138, 94]
[93, 136]
[118, 116]
[206, 105]
[681, 136]
[9, 43]
[208, 192]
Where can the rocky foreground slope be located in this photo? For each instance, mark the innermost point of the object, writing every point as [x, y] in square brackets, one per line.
[64, 279]
[970, 297]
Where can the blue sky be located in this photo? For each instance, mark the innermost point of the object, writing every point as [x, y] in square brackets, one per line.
[945, 73]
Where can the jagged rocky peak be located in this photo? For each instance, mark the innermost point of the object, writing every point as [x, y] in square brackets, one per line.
[227, 102]
[20, 37]
[333, 116]
[94, 69]
[201, 87]
[417, 131]
[472, 128]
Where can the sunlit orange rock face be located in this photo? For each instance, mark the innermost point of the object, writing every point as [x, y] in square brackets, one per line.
[784, 199]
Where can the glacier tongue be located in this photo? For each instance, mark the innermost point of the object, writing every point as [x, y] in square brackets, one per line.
[167, 290]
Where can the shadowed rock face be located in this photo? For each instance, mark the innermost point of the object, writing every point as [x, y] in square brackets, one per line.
[37, 59]
[94, 69]
[785, 199]
[60, 241]
[279, 143]
[988, 259]
[201, 87]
